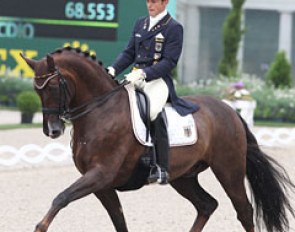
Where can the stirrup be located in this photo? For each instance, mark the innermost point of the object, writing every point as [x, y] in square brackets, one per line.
[163, 177]
[159, 175]
[154, 173]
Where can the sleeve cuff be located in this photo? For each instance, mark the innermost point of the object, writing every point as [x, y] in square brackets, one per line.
[111, 71]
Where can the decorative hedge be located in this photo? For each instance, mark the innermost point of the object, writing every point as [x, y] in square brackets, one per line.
[10, 87]
[272, 104]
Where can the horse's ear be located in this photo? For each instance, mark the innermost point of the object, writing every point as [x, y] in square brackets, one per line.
[30, 62]
[50, 63]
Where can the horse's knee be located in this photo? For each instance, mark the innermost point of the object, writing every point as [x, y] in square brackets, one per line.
[213, 206]
[208, 207]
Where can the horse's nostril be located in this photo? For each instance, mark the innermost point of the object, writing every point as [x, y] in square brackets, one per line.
[55, 132]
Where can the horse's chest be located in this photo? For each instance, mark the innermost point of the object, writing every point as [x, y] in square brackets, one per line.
[81, 155]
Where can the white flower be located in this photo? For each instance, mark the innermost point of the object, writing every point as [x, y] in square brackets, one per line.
[244, 92]
[238, 94]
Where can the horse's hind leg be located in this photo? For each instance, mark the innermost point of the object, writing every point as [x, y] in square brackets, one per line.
[232, 180]
[111, 202]
[204, 203]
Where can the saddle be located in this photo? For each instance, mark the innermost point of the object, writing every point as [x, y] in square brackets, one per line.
[182, 133]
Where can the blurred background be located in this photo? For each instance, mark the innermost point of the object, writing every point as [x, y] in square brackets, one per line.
[225, 42]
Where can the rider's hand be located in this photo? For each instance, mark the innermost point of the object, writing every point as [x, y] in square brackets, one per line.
[111, 71]
[137, 78]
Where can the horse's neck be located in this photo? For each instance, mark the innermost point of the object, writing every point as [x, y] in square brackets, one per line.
[88, 76]
[113, 113]
[91, 83]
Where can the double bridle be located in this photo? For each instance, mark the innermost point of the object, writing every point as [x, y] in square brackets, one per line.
[63, 110]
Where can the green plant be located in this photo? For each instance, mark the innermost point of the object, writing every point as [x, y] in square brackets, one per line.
[10, 87]
[28, 102]
[232, 34]
[272, 104]
[280, 74]
[275, 104]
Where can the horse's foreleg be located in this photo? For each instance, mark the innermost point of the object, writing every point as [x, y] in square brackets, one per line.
[204, 203]
[111, 202]
[92, 181]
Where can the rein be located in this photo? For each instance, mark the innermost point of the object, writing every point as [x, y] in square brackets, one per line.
[64, 111]
[97, 101]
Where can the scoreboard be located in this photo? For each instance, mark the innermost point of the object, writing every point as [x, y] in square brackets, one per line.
[36, 27]
[95, 19]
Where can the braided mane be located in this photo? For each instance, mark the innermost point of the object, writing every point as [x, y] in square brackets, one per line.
[78, 50]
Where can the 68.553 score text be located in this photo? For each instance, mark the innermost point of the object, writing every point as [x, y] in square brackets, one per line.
[90, 11]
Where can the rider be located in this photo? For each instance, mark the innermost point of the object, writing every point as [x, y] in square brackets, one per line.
[154, 48]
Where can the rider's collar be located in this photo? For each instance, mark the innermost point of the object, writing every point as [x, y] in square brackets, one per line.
[156, 19]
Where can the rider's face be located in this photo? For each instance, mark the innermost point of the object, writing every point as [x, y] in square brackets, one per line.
[156, 7]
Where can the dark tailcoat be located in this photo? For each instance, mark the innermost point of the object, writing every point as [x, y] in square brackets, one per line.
[156, 52]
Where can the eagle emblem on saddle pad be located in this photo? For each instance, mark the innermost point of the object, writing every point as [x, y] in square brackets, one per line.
[187, 131]
[182, 133]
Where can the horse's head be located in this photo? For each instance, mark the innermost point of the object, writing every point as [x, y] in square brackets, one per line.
[51, 87]
[70, 84]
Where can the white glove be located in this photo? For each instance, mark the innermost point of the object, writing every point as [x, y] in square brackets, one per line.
[111, 71]
[136, 78]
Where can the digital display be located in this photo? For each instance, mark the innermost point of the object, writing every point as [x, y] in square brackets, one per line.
[92, 19]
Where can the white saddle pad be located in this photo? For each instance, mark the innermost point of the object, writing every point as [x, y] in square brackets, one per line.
[181, 130]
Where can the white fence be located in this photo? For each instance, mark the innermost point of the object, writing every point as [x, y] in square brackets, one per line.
[58, 153]
[34, 154]
[275, 137]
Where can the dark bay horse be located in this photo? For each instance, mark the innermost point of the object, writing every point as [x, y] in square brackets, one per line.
[72, 85]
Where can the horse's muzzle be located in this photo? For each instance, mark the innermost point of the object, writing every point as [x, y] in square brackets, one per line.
[55, 129]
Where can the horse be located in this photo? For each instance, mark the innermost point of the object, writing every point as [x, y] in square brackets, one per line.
[73, 85]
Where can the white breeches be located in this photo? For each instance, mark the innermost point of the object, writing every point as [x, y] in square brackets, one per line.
[157, 91]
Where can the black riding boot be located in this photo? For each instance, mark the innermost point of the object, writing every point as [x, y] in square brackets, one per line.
[160, 139]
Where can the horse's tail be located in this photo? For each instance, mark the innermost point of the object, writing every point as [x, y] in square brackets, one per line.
[269, 182]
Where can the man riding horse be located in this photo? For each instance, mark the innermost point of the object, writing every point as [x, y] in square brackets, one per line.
[154, 48]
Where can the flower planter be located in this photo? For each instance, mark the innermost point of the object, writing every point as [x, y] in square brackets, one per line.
[26, 118]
